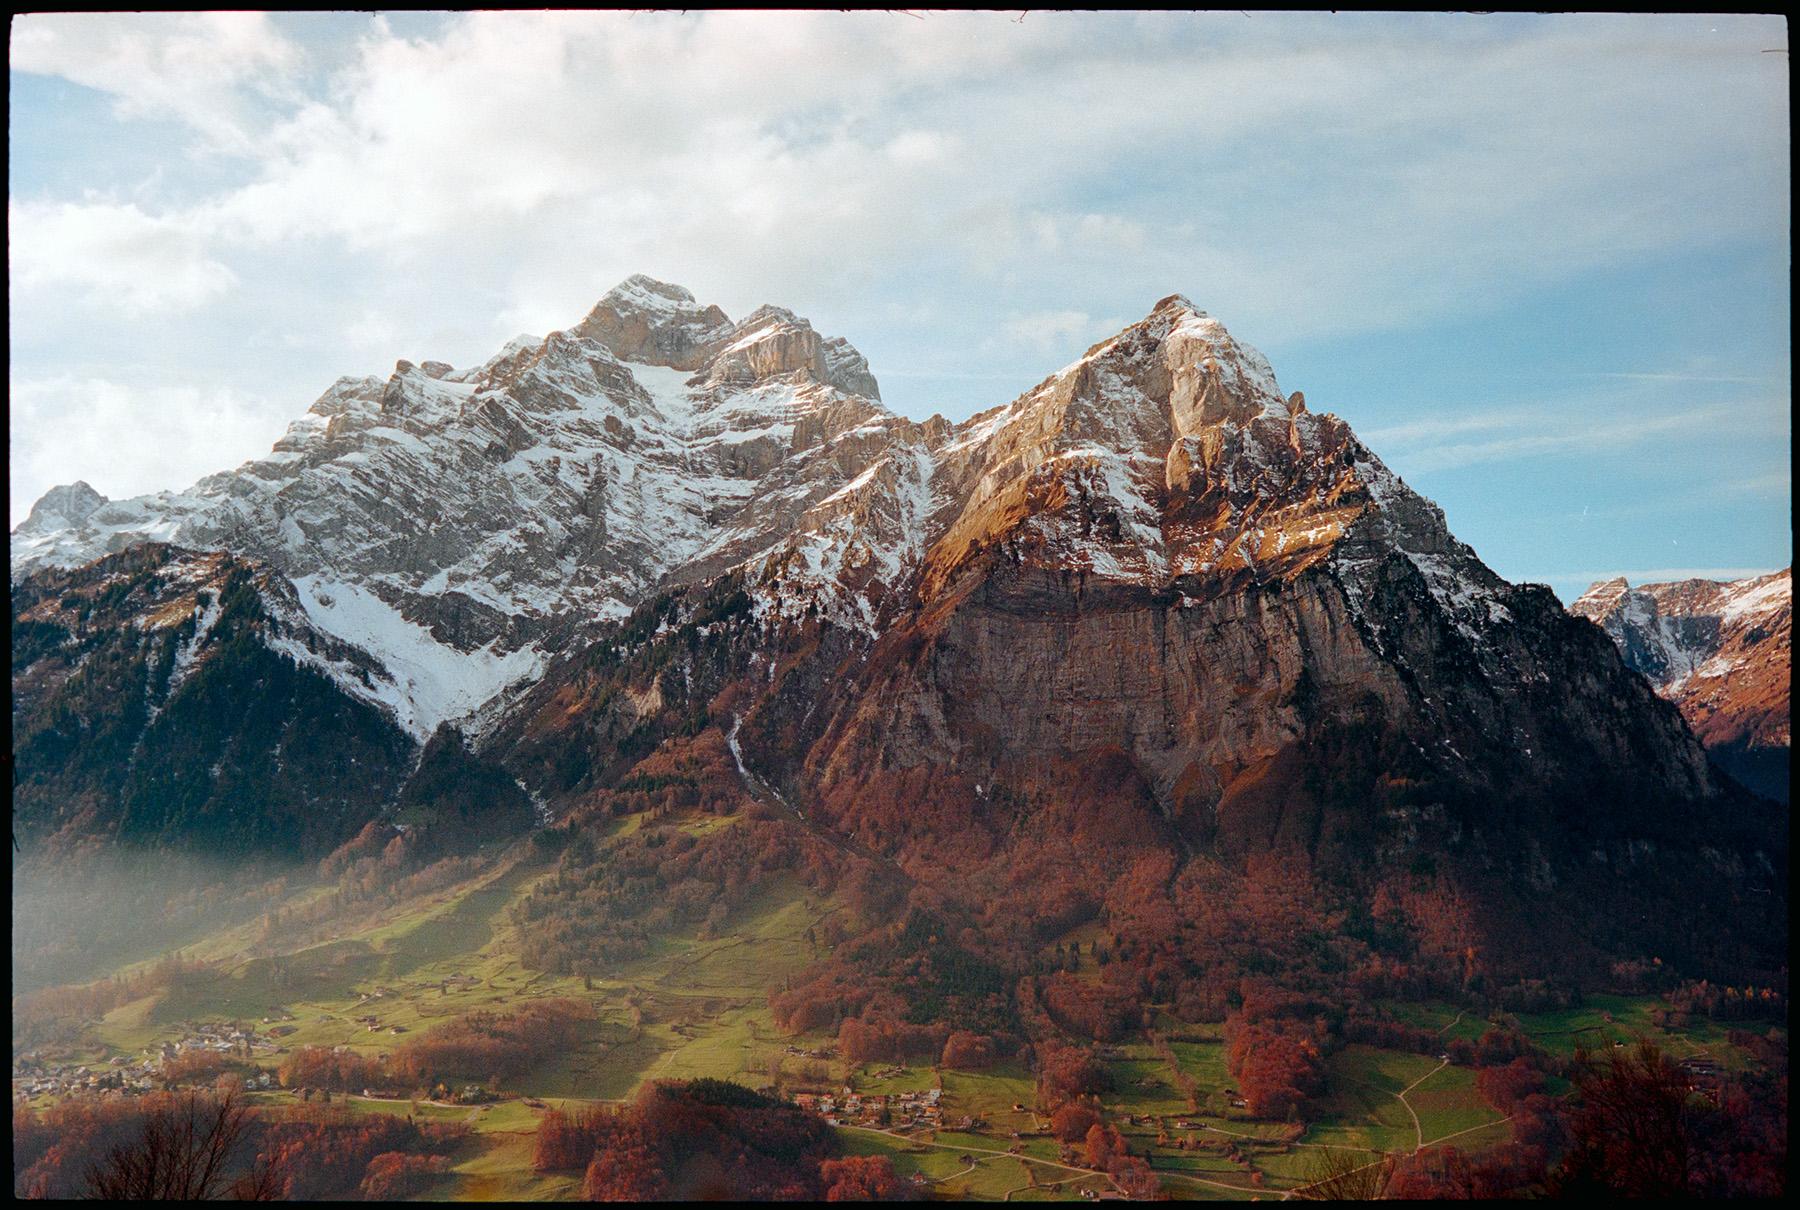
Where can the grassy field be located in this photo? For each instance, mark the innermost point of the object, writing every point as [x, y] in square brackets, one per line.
[699, 1007]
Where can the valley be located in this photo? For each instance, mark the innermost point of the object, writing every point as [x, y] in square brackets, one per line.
[699, 1008]
[640, 765]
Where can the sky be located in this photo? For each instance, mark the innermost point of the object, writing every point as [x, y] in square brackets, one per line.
[1540, 263]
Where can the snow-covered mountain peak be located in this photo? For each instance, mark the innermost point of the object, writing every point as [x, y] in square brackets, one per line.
[1721, 651]
[647, 291]
[495, 510]
[648, 322]
[642, 319]
[498, 510]
[62, 506]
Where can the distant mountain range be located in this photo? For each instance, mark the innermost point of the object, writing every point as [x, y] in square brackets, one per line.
[1152, 601]
[1723, 653]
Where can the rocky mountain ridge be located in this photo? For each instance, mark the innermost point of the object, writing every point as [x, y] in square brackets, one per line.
[1722, 652]
[458, 525]
[461, 524]
[1153, 601]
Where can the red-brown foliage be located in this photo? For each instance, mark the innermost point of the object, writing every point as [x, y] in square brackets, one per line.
[1506, 1088]
[1105, 1011]
[1278, 1069]
[1065, 1072]
[965, 1051]
[394, 1175]
[494, 1046]
[868, 1178]
[888, 1041]
[565, 1142]
[1071, 1122]
[335, 1068]
[706, 1139]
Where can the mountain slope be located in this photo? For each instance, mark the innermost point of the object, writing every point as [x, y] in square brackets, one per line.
[1154, 603]
[153, 703]
[1153, 610]
[436, 516]
[1723, 653]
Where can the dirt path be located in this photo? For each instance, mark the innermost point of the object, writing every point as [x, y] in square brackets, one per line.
[1418, 1127]
[1011, 1155]
[1163, 1174]
[1257, 1138]
[1453, 1021]
[1289, 1194]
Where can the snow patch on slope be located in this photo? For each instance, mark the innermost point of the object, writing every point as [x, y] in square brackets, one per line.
[429, 682]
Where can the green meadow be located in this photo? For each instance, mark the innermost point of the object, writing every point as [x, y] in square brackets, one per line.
[698, 1006]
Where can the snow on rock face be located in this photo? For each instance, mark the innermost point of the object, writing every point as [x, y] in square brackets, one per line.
[1721, 651]
[423, 682]
[551, 487]
[62, 508]
[1166, 457]
[642, 319]
[456, 525]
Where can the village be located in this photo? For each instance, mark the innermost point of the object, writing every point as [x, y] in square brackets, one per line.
[36, 1074]
[161, 1068]
[896, 1111]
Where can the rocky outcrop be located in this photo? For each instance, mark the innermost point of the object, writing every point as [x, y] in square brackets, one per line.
[642, 319]
[1154, 596]
[484, 516]
[1723, 653]
[62, 507]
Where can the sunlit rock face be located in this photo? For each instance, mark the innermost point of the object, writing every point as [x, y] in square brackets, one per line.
[1723, 653]
[1154, 587]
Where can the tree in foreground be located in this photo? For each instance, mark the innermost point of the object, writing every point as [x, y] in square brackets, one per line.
[1345, 1176]
[1638, 1128]
[185, 1152]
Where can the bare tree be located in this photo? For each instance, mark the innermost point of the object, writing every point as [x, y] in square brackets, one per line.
[1345, 1176]
[185, 1153]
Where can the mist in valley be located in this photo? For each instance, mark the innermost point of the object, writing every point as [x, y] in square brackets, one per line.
[79, 918]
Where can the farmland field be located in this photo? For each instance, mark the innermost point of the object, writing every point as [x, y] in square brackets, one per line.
[698, 1007]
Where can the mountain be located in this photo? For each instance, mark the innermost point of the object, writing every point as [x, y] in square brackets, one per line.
[1722, 652]
[1154, 609]
[459, 525]
[1155, 602]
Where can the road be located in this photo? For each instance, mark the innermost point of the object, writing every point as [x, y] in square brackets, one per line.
[1418, 1128]
[1011, 1155]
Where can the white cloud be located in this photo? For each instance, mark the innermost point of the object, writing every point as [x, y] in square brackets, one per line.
[116, 254]
[1046, 331]
[194, 67]
[1584, 427]
[126, 440]
[1396, 171]
[1297, 176]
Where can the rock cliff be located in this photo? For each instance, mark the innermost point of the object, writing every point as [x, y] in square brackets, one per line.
[1723, 653]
